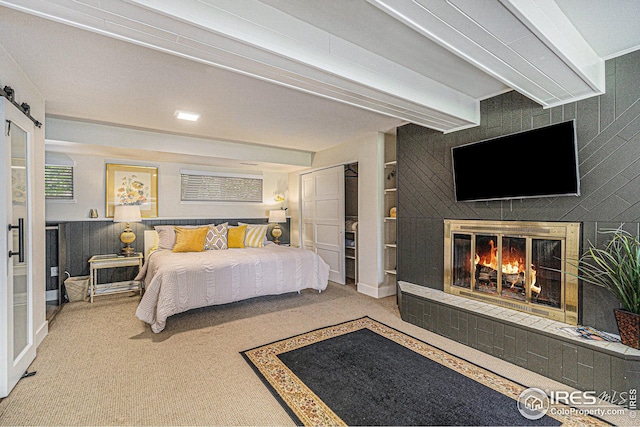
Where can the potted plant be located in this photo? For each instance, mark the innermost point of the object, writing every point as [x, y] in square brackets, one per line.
[616, 267]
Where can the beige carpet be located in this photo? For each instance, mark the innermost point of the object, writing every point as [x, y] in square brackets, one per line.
[99, 365]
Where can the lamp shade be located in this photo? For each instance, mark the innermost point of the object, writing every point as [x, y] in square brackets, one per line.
[278, 215]
[127, 213]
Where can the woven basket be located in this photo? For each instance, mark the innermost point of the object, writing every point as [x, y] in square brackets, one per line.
[77, 288]
[628, 327]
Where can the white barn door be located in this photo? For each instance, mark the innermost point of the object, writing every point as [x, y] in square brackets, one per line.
[323, 218]
[17, 335]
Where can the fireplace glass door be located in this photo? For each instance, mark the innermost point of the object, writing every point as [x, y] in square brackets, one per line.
[546, 260]
[486, 264]
[513, 267]
[462, 261]
[519, 265]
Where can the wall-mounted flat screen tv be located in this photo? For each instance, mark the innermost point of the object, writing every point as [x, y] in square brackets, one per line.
[541, 162]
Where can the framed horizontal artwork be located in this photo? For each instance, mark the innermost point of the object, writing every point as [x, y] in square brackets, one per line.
[132, 185]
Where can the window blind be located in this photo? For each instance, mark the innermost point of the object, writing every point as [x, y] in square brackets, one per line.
[58, 182]
[220, 187]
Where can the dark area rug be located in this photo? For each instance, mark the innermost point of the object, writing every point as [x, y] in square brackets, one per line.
[365, 373]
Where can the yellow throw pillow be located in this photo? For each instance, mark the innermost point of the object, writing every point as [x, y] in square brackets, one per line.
[235, 236]
[190, 239]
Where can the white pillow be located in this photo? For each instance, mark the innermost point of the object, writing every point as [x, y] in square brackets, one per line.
[166, 236]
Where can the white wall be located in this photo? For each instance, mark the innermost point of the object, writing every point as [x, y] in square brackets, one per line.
[89, 188]
[25, 91]
[369, 153]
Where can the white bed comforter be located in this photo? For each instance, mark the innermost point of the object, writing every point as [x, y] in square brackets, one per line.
[177, 282]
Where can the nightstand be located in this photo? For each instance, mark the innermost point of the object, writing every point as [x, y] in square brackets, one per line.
[98, 262]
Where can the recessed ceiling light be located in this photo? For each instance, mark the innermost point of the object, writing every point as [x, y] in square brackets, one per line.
[185, 115]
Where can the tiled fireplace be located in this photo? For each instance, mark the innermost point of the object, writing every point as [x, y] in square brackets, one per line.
[510, 293]
[514, 264]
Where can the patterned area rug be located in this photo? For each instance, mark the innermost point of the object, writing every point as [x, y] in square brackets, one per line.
[363, 372]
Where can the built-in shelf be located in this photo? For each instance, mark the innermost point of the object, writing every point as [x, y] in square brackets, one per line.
[351, 252]
[390, 200]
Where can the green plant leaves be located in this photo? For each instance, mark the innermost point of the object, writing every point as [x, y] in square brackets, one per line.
[616, 267]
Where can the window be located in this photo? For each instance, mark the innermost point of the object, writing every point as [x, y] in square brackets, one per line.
[58, 182]
[220, 187]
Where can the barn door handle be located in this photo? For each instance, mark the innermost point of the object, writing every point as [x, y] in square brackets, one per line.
[20, 228]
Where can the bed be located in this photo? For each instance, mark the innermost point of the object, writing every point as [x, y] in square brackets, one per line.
[177, 282]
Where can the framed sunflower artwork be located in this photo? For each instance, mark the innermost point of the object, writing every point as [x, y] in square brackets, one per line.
[132, 185]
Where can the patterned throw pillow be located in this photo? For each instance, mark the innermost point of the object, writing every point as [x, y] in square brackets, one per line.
[256, 235]
[216, 237]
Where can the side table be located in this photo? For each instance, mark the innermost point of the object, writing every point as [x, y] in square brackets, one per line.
[98, 262]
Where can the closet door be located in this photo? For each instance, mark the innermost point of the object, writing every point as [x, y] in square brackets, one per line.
[323, 218]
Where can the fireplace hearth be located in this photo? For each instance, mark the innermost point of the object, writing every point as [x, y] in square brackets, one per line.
[515, 264]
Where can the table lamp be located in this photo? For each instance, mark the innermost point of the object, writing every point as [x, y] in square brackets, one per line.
[127, 213]
[277, 216]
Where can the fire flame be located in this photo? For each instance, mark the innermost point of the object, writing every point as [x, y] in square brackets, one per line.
[511, 264]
